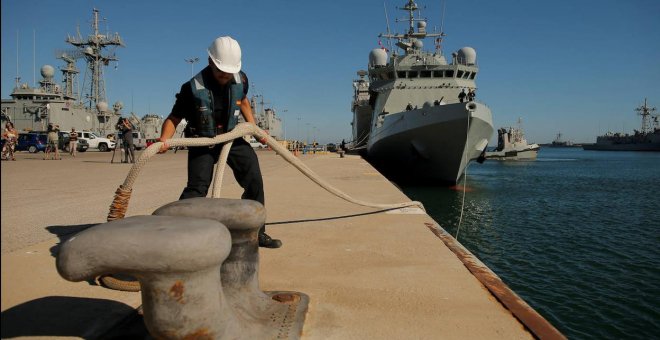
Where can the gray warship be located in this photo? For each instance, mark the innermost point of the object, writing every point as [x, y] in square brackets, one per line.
[33, 108]
[266, 118]
[418, 128]
[512, 145]
[646, 139]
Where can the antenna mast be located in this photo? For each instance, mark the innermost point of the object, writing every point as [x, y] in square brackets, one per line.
[92, 48]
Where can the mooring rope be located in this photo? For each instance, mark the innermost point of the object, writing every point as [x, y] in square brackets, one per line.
[122, 196]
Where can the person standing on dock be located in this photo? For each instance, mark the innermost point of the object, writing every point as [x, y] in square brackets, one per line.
[53, 141]
[210, 103]
[127, 140]
[73, 142]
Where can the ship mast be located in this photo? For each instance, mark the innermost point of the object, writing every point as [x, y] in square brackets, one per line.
[646, 113]
[92, 48]
[407, 41]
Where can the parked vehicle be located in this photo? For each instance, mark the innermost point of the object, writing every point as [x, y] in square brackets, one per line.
[139, 142]
[332, 147]
[95, 142]
[255, 144]
[31, 142]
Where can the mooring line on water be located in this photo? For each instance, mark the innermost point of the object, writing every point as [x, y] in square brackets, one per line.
[467, 144]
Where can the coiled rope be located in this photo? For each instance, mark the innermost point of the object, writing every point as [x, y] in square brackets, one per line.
[122, 195]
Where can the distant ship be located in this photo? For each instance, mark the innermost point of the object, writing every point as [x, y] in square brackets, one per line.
[646, 139]
[417, 127]
[266, 118]
[34, 108]
[512, 145]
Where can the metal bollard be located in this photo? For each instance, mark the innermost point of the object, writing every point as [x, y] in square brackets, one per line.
[175, 259]
[267, 315]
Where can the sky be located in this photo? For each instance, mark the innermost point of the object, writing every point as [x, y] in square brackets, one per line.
[575, 67]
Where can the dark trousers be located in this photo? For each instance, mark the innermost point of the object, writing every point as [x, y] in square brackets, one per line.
[242, 160]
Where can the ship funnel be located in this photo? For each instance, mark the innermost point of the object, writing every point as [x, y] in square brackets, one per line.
[471, 106]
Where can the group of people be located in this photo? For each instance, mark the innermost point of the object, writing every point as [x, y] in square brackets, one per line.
[469, 96]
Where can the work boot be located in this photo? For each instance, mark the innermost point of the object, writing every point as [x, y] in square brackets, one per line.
[267, 242]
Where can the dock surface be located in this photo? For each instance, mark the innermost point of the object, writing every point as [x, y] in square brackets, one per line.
[369, 274]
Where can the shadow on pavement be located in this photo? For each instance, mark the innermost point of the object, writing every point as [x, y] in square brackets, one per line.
[64, 316]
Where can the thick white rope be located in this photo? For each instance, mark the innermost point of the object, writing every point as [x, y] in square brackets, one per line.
[239, 131]
[220, 169]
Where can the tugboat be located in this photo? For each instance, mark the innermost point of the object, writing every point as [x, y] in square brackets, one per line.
[419, 129]
[32, 109]
[647, 139]
[512, 145]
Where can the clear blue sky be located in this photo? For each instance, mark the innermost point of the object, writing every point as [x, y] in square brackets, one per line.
[578, 67]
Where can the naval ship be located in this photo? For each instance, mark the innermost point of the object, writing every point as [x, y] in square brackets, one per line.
[34, 108]
[646, 139]
[266, 118]
[418, 127]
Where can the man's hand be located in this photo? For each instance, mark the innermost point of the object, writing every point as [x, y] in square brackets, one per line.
[262, 141]
[164, 147]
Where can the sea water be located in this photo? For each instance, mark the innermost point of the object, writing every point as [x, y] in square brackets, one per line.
[575, 233]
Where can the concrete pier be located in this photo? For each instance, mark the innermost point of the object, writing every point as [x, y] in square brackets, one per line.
[369, 274]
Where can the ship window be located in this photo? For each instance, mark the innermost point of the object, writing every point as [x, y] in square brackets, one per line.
[412, 74]
[459, 74]
[437, 74]
[467, 75]
[401, 74]
[425, 74]
[473, 75]
[449, 74]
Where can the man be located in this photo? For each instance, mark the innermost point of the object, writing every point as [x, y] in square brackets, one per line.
[73, 142]
[127, 140]
[461, 96]
[210, 102]
[53, 142]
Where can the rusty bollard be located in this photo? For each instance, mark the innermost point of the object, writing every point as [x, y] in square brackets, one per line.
[275, 315]
[175, 259]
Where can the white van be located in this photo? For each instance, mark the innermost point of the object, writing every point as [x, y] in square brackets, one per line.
[139, 142]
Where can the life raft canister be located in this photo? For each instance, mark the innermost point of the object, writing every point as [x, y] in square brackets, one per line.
[205, 124]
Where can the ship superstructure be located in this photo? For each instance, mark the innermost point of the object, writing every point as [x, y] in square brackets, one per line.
[419, 128]
[512, 145]
[33, 108]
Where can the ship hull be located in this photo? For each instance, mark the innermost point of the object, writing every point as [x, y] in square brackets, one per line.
[361, 125]
[430, 145]
[528, 153]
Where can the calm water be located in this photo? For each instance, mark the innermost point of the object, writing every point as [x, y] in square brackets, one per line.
[575, 233]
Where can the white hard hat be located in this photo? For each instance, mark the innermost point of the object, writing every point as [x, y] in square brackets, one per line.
[226, 54]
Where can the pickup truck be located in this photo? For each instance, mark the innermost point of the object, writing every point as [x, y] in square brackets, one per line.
[95, 142]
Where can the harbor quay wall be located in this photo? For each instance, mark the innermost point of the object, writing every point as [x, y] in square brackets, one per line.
[369, 274]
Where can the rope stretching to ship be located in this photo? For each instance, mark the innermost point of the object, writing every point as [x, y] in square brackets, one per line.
[122, 195]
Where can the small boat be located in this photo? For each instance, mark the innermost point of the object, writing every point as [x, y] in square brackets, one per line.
[512, 145]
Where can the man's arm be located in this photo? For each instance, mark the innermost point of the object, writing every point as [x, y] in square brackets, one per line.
[167, 131]
[246, 110]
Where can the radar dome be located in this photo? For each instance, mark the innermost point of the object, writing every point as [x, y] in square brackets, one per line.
[47, 71]
[118, 105]
[102, 106]
[467, 55]
[377, 57]
[418, 44]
